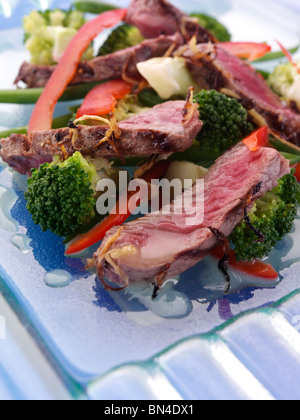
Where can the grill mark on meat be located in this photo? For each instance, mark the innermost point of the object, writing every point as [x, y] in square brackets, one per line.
[160, 239]
[226, 71]
[106, 67]
[157, 131]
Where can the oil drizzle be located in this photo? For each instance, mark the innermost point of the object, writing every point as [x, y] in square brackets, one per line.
[8, 198]
[22, 242]
[57, 278]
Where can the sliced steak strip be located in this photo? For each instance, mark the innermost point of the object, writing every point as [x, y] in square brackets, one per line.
[161, 130]
[111, 66]
[215, 68]
[156, 17]
[158, 245]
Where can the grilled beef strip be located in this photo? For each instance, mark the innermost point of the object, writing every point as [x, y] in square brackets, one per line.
[158, 20]
[111, 66]
[160, 245]
[164, 129]
[215, 68]
[156, 17]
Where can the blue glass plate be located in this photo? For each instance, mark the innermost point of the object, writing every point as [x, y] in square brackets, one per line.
[192, 342]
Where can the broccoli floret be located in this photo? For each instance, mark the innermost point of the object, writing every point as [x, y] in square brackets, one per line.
[47, 34]
[285, 82]
[213, 26]
[273, 215]
[74, 19]
[41, 46]
[124, 36]
[282, 79]
[61, 195]
[33, 21]
[225, 123]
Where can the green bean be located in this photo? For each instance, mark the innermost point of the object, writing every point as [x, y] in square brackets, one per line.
[292, 158]
[285, 147]
[30, 96]
[19, 130]
[275, 55]
[58, 122]
[95, 7]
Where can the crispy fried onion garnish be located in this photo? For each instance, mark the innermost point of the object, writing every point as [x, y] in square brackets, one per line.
[170, 51]
[183, 24]
[64, 151]
[109, 256]
[191, 45]
[209, 53]
[71, 137]
[112, 133]
[181, 50]
[189, 107]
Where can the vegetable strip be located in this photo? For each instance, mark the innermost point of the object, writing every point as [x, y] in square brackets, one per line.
[95, 7]
[30, 96]
[103, 98]
[255, 268]
[58, 122]
[249, 50]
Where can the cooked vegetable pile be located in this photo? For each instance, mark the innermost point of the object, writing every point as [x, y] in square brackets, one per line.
[47, 34]
[61, 195]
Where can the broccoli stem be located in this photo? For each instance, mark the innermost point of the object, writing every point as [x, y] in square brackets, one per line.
[30, 96]
[58, 122]
[95, 7]
[284, 147]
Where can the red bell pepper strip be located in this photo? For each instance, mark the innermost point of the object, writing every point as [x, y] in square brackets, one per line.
[41, 118]
[102, 99]
[297, 173]
[288, 55]
[258, 139]
[98, 232]
[249, 50]
[256, 268]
